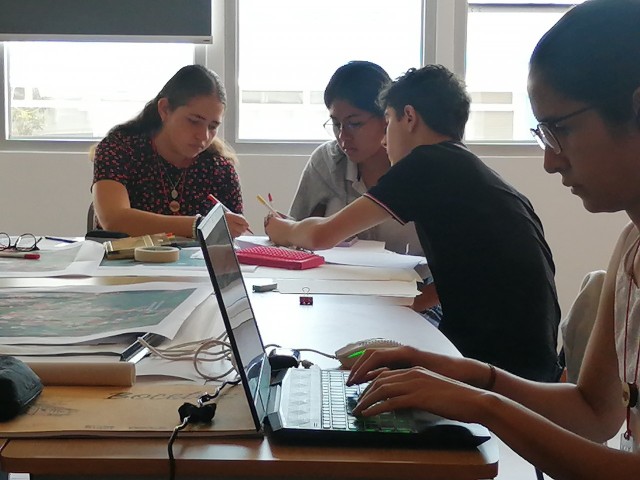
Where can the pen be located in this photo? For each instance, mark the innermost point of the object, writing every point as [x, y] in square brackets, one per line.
[58, 239]
[269, 206]
[214, 200]
[137, 351]
[26, 256]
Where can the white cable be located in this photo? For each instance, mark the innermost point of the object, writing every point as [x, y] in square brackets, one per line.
[201, 353]
[328, 355]
[181, 352]
[226, 354]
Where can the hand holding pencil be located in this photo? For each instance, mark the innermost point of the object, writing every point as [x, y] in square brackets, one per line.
[270, 207]
[237, 224]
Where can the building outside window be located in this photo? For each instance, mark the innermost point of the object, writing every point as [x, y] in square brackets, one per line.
[500, 38]
[286, 62]
[74, 90]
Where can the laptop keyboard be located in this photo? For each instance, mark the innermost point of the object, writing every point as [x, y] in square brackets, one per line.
[338, 401]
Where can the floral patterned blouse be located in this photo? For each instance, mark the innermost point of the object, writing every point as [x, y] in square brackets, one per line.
[152, 182]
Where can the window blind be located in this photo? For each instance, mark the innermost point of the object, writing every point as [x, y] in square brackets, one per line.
[106, 20]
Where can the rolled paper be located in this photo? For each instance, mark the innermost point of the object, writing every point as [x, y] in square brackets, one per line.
[99, 374]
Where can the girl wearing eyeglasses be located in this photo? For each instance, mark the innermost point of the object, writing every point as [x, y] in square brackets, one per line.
[584, 86]
[343, 169]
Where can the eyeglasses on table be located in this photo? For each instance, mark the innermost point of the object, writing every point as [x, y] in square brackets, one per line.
[27, 242]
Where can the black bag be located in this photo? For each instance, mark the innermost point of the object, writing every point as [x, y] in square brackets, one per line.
[19, 386]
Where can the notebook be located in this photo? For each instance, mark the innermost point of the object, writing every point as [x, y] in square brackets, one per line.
[302, 406]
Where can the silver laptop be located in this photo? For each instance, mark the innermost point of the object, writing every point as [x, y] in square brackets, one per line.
[309, 405]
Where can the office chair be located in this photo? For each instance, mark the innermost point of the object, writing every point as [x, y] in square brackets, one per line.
[91, 219]
[576, 328]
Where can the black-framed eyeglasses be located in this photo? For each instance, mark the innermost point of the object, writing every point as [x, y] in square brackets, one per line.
[351, 127]
[27, 242]
[544, 135]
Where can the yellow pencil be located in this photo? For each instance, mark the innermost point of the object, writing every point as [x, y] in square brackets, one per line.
[268, 205]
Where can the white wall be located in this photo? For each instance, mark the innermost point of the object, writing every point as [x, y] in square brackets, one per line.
[49, 193]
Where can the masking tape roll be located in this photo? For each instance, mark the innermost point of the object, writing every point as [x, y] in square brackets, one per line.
[156, 254]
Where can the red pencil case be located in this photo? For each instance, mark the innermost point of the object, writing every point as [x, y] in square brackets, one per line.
[279, 258]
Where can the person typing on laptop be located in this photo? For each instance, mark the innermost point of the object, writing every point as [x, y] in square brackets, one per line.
[311, 405]
[584, 87]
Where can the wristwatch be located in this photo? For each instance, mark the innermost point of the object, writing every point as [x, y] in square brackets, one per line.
[196, 222]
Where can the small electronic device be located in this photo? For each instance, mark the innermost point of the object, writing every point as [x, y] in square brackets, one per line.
[348, 242]
[348, 354]
[281, 358]
[102, 236]
[279, 258]
[267, 287]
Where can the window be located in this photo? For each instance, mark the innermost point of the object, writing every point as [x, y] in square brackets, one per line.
[500, 39]
[276, 71]
[286, 61]
[72, 90]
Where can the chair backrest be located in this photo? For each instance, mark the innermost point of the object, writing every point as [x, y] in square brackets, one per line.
[577, 325]
[91, 219]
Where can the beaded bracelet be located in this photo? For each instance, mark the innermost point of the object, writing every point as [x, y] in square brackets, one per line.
[493, 373]
[194, 228]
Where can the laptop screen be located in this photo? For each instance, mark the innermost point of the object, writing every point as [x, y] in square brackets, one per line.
[233, 301]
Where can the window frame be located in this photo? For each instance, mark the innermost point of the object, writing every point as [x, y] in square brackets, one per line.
[44, 146]
[446, 45]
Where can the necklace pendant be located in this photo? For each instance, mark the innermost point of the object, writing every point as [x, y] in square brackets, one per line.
[626, 441]
[174, 206]
[174, 194]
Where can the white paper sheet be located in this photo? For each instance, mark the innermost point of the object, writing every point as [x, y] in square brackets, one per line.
[388, 288]
[203, 323]
[70, 315]
[367, 258]
[247, 241]
[338, 272]
[365, 253]
[81, 258]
